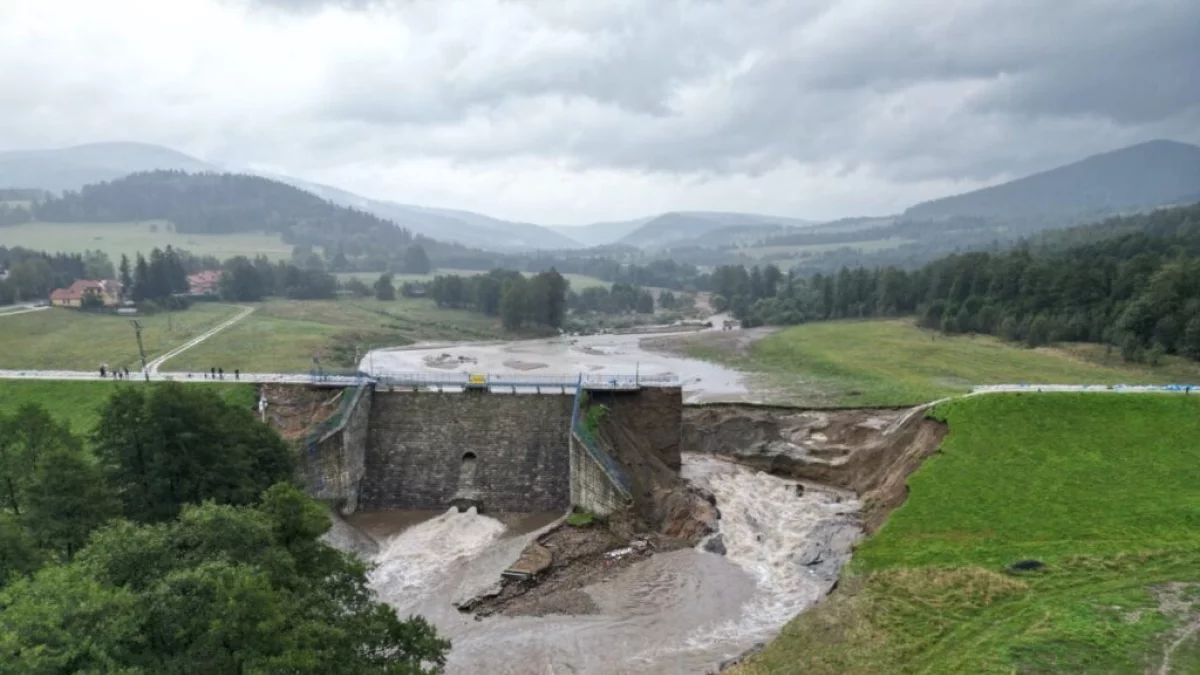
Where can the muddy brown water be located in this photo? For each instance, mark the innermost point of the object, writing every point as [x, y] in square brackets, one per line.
[593, 354]
[678, 612]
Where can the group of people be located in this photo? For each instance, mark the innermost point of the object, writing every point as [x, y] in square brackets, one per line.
[219, 374]
[117, 373]
[123, 373]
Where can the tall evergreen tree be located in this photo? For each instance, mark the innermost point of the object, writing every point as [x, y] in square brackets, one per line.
[142, 283]
[126, 277]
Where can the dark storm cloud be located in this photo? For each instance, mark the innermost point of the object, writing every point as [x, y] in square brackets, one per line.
[800, 106]
[914, 89]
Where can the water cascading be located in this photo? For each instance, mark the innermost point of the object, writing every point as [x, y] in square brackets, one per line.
[467, 494]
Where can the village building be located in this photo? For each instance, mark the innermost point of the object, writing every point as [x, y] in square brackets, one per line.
[204, 282]
[107, 291]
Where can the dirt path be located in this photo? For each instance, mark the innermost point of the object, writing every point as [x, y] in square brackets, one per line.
[10, 311]
[153, 366]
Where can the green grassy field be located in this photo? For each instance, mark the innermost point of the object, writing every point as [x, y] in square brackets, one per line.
[283, 335]
[66, 339]
[131, 238]
[892, 362]
[1104, 489]
[869, 246]
[578, 281]
[78, 403]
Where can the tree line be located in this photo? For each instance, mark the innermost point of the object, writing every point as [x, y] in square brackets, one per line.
[246, 280]
[519, 301]
[173, 540]
[1135, 285]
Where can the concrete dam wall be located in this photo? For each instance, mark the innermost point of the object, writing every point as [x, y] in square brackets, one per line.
[502, 452]
[508, 452]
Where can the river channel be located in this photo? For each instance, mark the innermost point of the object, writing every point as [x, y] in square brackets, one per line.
[679, 612]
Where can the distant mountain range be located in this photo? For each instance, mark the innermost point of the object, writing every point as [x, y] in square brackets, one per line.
[1138, 177]
[1149, 174]
[72, 168]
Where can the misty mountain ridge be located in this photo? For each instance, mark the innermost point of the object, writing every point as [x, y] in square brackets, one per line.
[72, 168]
[1154, 173]
[1142, 176]
[699, 227]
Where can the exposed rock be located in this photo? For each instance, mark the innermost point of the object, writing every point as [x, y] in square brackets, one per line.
[715, 544]
[871, 452]
[686, 513]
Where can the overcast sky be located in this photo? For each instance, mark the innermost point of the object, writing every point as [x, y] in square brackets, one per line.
[570, 111]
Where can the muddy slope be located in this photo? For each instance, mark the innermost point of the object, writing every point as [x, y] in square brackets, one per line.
[294, 410]
[869, 451]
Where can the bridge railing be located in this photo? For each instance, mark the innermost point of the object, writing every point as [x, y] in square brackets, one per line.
[617, 475]
[340, 376]
[606, 381]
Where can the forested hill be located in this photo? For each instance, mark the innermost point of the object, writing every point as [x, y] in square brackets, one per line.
[1135, 285]
[1140, 176]
[216, 203]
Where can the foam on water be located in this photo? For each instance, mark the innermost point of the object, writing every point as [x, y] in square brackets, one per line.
[413, 562]
[793, 545]
[678, 612]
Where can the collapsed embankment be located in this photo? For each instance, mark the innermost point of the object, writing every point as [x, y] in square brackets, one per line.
[666, 513]
[869, 451]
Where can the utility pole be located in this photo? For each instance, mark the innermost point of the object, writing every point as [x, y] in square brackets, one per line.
[137, 328]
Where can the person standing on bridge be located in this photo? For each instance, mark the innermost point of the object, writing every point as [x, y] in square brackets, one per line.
[237, 374]
[221, 373]
[103, 368]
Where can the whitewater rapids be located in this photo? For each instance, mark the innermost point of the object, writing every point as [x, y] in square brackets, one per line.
[678, 612]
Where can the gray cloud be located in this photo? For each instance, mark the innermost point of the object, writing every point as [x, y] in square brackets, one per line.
[693, 98]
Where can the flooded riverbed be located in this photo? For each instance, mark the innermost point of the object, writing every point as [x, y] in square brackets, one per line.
[678, 612]
[589, 354]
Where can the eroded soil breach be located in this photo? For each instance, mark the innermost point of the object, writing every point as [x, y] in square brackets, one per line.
[869, 451]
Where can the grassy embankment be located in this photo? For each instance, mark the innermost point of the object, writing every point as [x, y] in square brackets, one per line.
[66, 339]
[283, 335]
[892, 363]
[78, 402]
[1104, 489]
[134, 237]
[280, 336]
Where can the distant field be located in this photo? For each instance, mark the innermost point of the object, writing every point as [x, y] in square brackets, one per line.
[1103, 489]
[864, 246]
[284, 335]
[78, 403]
[66, 339]
[892, 362]
[578, 281]
[131, 238]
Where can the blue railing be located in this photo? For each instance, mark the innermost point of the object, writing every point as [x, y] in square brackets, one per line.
[615, 473]
[524, 380]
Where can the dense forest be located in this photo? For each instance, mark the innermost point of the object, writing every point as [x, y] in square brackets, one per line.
[1132, 283]
[172, 541]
